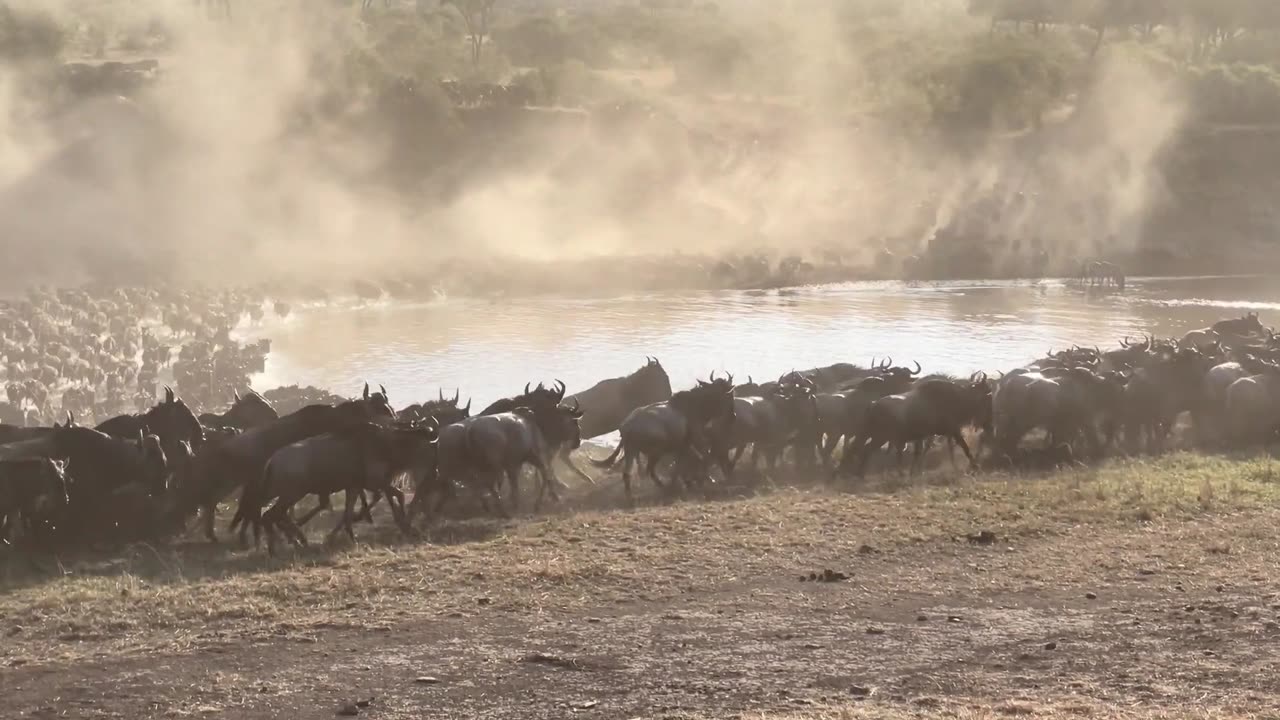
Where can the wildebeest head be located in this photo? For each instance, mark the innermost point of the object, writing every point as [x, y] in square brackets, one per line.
[978, 396]
[249, 410]
[377, 407]
[172, 420]
[651, 380]
[559, 424]
[444, 410]
[707, 401]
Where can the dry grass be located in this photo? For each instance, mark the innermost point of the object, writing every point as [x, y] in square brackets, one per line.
[148, 598]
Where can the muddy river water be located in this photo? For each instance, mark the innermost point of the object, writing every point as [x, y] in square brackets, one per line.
[490, 349]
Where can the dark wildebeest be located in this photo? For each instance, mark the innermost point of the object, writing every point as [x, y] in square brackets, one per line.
[444, 410]
[33, 489]
[840, 413]
[170, 420]
[769, 423]
[1252, 412]
[1250, 324]
[360, 457]
[1169, 382]
[246, 412]
[676, 427]
[479, 450]
[607, 403]
[19, 433]
[932, 407]
[221, 468]
[1064, 402]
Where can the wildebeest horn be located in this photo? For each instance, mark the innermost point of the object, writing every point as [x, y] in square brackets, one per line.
[1125, 342]
[457, 392]
[168, 394]
[467, 409]
[383, 388]
[366, 391]
[71, 419]
[888, 362]
[440, 394]
[526, 388]
[235, 395]
[560, 391]
[713, 376]
[918, 368]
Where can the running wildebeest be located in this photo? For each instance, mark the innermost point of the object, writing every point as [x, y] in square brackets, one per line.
[769, 423]
[359, 457]
[221, 468]
[932, 407]
[675, 428]
[1065, 402]
[479, 450]
[32, 489]
[248, 411]
[607, 403]
[170, 420]
[1169, 382]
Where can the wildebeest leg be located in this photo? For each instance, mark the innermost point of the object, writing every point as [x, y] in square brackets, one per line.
[564, 454]
[347, 521]
[917, 454]
[210, 512]
[395, 499]
[958, 436]
[654, 459]
[325, 503]
[627, 461]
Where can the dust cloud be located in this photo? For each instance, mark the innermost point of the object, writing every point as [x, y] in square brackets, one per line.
[241, 165]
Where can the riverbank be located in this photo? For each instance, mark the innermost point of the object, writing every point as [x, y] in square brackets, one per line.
[1140, 583]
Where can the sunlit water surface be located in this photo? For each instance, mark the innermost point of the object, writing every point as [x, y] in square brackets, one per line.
[490, 349]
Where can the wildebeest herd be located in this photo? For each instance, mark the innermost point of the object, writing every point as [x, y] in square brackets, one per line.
[150, 474]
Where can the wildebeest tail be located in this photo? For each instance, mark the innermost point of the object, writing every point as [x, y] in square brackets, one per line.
[609, 461]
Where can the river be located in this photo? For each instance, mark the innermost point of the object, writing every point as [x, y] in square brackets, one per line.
[490, 349]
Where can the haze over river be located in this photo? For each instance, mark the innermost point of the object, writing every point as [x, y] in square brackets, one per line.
[491, 348]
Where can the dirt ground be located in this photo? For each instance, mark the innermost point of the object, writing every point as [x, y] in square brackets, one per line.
[1143, 589]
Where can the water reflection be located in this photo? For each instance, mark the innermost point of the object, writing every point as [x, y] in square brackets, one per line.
[491, 349]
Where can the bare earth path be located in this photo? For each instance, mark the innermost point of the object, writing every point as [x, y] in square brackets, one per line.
[1098, 599]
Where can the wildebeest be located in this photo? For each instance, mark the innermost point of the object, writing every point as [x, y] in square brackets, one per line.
[1249, 324]
[1169, 382]
[479, 450]
[247, 411]
[673, 428]
[17, 433]
[1065, 402]
[769, 422]
[170, 420]
[361, 456]
[607, 403]
[1252, 407]
[31, 489]
[932, 407]
[444, 410]
[222, 467]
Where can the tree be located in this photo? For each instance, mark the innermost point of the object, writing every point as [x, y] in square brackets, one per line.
[476, 15]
